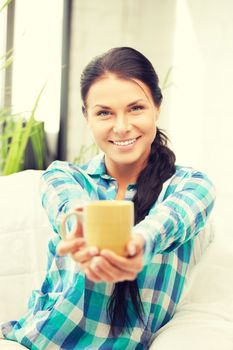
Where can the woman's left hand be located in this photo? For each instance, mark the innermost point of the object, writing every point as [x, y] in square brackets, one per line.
[110, 267]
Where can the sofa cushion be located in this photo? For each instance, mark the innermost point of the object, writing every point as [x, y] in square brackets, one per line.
[24, 232]
[10, 345]
[204, 315]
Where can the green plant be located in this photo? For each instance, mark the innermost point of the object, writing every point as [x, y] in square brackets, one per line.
[86, 153]
[167, 81]
[6, 60]
[5, 4]
[16, 134]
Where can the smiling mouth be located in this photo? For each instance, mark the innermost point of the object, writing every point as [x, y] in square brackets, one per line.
[125, 142]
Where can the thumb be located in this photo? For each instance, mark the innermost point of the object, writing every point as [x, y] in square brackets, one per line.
[78, 230]
[135, 245]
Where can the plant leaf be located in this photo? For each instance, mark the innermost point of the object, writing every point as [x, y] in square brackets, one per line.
[38, 144]
[166, 81]
[21, 135]
[5, 5]
[12, 165]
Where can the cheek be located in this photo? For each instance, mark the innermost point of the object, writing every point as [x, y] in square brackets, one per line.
[98, 131]
[149, 128]
[148, 124]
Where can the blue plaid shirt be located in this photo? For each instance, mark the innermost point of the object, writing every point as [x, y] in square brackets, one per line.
[69, 312]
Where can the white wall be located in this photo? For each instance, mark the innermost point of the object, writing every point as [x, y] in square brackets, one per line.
[201, 124]
[193, 36]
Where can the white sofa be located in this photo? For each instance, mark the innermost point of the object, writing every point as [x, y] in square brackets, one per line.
[204, 317]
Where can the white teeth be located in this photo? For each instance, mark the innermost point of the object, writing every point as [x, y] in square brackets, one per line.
[124, 143]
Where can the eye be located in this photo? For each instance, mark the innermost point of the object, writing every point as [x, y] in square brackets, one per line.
[137, 108]
[103, 114]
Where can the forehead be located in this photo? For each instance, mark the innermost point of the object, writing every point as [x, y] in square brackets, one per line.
[110, 87]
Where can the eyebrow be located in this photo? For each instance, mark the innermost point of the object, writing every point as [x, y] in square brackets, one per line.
[129, 105]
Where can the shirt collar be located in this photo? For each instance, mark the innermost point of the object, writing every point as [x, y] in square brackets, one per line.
[96, 167]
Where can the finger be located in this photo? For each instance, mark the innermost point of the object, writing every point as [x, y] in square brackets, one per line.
[70, 246]
[135, 245]
[92, 276]
[79, 228]
[84, 255]
[84, 266]
[104, 270]
[108, 273]
[78, 231]
[106, 277]
[102, 275]
[131, 264]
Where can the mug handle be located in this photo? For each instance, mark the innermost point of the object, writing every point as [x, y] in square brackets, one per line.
[79, 216]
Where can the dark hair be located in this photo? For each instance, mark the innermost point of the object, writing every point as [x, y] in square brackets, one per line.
[128, 63]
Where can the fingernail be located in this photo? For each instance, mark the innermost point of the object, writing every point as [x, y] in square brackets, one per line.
[132, 250]
[104, 253]
[94, 266]
[93, 251]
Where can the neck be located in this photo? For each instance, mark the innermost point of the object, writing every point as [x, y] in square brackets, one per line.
[125, 174]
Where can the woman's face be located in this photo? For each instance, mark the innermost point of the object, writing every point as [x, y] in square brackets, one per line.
[122, 117]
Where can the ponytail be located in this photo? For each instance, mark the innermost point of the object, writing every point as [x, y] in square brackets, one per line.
[160, 167]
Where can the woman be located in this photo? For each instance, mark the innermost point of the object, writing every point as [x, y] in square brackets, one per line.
[93, 299]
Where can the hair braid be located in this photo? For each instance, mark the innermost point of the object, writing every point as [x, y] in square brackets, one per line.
[160, 167]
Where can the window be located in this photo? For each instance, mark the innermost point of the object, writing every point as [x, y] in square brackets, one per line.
[37, 61]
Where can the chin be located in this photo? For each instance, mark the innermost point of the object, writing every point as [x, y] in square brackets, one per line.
[126, 160]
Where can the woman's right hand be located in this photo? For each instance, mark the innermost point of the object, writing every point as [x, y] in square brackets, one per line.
[97, 267]
[75, 246]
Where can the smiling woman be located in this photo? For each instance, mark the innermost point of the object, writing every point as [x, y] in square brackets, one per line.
[93, 298]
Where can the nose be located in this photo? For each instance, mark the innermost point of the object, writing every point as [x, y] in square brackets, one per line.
[122, 125]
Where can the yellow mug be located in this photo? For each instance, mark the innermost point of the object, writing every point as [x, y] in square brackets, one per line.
[107, 224]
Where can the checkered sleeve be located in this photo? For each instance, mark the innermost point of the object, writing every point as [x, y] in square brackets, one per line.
[179, 217]
[62, 189]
